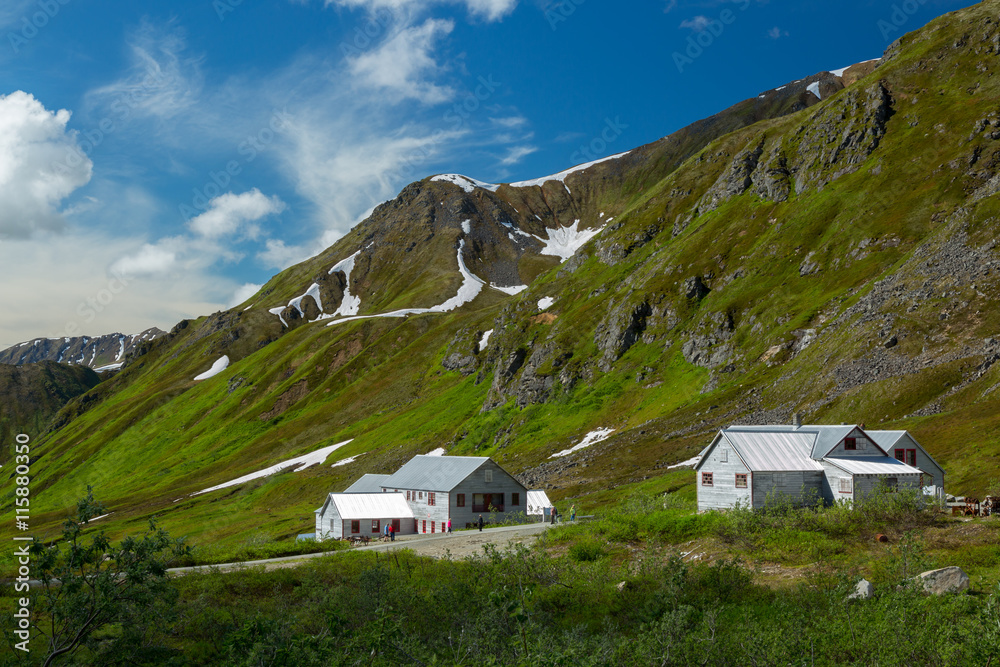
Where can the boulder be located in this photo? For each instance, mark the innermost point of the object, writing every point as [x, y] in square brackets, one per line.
[862, 591]
[944, 580]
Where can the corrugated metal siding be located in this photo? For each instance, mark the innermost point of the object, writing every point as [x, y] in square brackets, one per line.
[537, 499]
[777, 451]
[371, 506]
[434, 473]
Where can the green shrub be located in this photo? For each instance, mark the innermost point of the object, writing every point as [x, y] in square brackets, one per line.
[586, 551]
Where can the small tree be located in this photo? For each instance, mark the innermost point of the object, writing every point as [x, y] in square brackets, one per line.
[91, 584]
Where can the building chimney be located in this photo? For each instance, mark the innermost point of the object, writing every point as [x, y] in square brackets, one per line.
[796, 419]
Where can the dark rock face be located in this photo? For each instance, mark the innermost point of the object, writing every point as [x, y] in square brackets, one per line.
[619, 330]
[840, 137]
[736, 180]
[695, 288]
[772, 179]
[463, 363]
[710, 348]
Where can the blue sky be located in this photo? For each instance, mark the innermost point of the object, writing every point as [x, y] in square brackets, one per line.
[159, 160]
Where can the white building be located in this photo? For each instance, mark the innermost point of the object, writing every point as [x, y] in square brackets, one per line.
[363, 514]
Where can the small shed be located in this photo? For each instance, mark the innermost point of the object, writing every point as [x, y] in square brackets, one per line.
[363, 514]
[538, 501]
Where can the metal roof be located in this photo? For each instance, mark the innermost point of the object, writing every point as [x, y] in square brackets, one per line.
[371, 505]
[872, 465]
[886, 439]
[825, 437]
[537, 499]
[776, 451]
[434, 473]
[368, 483]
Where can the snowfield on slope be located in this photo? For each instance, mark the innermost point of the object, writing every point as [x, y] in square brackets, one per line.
[590, 439]
[221, 364]
[302, 462]
[563, 242]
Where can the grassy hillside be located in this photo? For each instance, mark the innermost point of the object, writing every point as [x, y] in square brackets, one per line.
[837, 260]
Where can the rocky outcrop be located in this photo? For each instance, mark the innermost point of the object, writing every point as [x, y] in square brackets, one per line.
[619, 330]
[736, 180]
[463, 363]
[944, 580]
[772, 179]
[862, 591]
[710, 347]
[94, 352]
[841, 136]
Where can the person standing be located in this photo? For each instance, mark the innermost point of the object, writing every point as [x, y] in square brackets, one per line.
[392, 532]
[572, 513]
[449, 525]
[480, 523]
[555, 513]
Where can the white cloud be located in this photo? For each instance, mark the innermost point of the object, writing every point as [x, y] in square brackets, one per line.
[242, 293]
[697, 23]
[489, 10]
[40, 165]
[149, 260]
[227, 213]
[163, 81]
[517, 153]
[399, 64]
[510, 122]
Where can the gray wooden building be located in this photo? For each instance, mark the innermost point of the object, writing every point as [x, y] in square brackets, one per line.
[744, 464]
[363, 515]
[460, 488]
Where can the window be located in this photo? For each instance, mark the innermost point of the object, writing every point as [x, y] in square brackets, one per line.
[356, 526]
[395, 525]
[430, 501]
[846, 485]
[489, 476]
[901, 455]
[432, 526]
[460, 500]
[487, 502]
[425, 525]
[891, 483]
[724, 456]
[911, 457]
[515, 499]
[706, 479]
[850, 443]
[741, 480]
[408, 495]
[376, 525]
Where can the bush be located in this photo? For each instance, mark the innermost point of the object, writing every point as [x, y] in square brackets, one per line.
[586, 551]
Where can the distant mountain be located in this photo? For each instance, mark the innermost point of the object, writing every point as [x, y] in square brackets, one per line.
[31, 395]
[828, 247]
[102, 353]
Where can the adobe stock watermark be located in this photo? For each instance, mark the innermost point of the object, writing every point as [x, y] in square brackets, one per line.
[560, 11]
[598, 146]
[900, 15]
[88, 309]
[34, 21]
[22, 510]
[248, 149]
[705, 36]
[365, 34]
[223, 7]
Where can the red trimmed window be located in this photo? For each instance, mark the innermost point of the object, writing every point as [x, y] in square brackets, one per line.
[430, 501]
[850, 443]
[706, 479]
[425, 525]
[408, 495]
[515, 499]
[460, 500]
[395, 525]
[432, 526]
[376, 526]
[901, 455]
[356, 526]
[741, 480]
[911, 457]
[846, 485]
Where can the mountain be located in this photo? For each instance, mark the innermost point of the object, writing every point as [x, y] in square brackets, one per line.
[102, 353]
[31, 395]
[827, 248]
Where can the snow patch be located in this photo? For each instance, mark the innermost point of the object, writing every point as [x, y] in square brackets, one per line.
[302, 462]
[485, 340]
[561, 176]
[686, 464]
[350, 459]
[814, 89]
[221, 364]
[840, 72]
[545, 303]
[469, 289]
[350, 304]
[121, 349]
[277, 311]
[110, 367]
[563, 242]
[590, 439]
[467, 226]
[436, 452]
[100, 517]
[513, 289]
[466, 183]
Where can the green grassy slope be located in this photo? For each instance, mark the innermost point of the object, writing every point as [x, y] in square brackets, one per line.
[868, 295]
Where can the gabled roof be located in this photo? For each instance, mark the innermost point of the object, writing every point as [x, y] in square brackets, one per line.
[886, 439]
[368, 483]
[872, 465]
[773, 451]
[369, 505]
[825, 437]
[434, 473]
